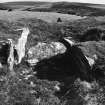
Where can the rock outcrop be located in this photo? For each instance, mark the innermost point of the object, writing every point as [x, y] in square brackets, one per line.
[20, 46]
[12, 53]
[44, 51]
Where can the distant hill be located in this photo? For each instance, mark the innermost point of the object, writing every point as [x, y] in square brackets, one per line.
[53, 3]
[23, 4]
[81, 9]
[4, 7]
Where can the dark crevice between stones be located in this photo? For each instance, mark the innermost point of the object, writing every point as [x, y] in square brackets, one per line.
[4, 52]
[15, 55]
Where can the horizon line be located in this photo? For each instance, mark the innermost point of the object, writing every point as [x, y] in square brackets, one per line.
[52, 2]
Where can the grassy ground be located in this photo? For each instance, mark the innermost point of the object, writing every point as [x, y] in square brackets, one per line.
[46, 16]
[25, 88]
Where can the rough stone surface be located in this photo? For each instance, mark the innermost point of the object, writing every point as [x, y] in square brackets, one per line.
[44, 50]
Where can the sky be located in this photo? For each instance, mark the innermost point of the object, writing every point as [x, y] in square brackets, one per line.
[84, 1]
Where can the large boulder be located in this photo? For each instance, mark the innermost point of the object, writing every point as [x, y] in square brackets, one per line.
[44, 50]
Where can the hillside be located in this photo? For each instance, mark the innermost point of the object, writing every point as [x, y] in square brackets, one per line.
[30, 83]
[22, 4]
[81, 9]
[4, 7]
[25, 87]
